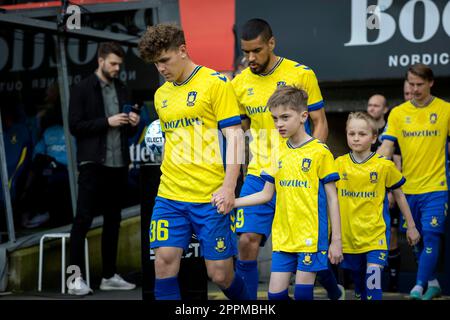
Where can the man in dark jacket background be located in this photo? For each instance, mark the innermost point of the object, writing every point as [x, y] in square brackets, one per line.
[101, 126]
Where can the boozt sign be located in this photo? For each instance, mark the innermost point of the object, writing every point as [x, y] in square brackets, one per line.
[358, 39]
[388, 26]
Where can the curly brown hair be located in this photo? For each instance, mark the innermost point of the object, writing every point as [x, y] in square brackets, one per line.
[159, 38]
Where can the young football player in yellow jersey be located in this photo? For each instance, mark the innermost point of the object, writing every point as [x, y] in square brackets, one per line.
[365, 181]
[303, 175]
[253, 86]
[421, 127]
[194, 105]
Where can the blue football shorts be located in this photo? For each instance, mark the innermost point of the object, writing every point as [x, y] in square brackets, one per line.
[429, 211]
[359, 261]
[255, 219]
[173, 223]
[302, 261]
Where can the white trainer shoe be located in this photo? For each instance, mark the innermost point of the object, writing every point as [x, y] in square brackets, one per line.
[79, 288]
[341, 287]
[116, 283]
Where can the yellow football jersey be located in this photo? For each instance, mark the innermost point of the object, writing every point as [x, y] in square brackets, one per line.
[363, 203]
[299, 174]
[254, 90]
[422, 136]
[191, 115]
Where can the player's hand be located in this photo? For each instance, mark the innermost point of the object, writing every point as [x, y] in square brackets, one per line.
[225, 198]
[217, 201]
[413, 236]
[133, 117]
[335, 252]
[118, 120]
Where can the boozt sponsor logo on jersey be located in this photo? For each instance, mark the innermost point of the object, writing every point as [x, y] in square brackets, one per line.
[358, 194]
[181, 123]
[255, 110]
[294, 183]
[421, 133]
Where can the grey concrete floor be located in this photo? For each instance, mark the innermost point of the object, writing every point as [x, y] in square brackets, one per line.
[213, 294]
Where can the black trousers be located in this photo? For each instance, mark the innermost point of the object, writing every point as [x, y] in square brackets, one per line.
[101, 190]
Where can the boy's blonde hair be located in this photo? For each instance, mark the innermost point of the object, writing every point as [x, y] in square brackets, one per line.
[360, 115]
[289, 96]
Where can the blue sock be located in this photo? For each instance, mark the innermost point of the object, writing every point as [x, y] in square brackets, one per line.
[328, 281]
[373, 283]
[237, 290]
[248, 271]
[283, 295]
[304, 292]
[417, 250]
[429, 258]
[167, 289]
[359, 278]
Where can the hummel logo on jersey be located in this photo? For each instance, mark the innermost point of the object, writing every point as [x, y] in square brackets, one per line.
[408, 120]
[220, 76]
[164, 104]
[344, 176]
[191, 98]
[250, 92]
[301, 65]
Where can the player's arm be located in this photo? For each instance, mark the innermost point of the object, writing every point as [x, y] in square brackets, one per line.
[315, 105]
[387, 148]
[412, 234]
[265, 195]
[162, 151]
[234, 137]
[320, 124]
[246, 128]
[398, 161]
[335, 249]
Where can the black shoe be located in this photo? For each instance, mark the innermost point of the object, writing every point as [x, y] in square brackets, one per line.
[393, 282]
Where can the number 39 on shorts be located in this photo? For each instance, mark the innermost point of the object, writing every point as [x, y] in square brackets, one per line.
[159, 230]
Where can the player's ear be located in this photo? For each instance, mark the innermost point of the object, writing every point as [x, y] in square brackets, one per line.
[431, 83]
[272, 43]
[183, 51]
[375, 137]
[304, 116]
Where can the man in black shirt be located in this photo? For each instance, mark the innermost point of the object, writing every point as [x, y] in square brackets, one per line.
[101, 126]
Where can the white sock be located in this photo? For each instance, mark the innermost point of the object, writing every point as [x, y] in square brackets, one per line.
[417, 288]
[433, 283]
